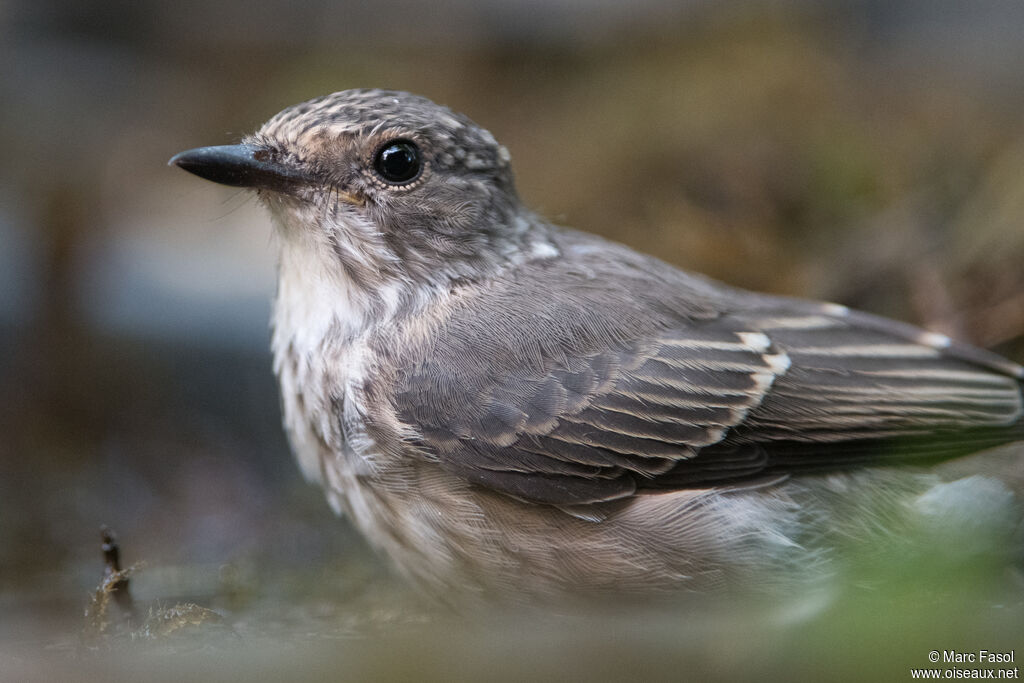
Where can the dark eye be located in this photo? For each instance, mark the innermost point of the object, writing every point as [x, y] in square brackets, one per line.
[398, 161]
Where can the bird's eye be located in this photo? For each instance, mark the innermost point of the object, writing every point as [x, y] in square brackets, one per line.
[398, 161]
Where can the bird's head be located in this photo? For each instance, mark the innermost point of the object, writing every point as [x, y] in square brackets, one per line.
[381, 182]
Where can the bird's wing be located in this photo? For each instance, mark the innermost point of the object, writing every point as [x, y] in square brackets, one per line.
[761, 386]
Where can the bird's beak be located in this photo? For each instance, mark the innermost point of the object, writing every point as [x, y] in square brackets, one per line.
[241, 166]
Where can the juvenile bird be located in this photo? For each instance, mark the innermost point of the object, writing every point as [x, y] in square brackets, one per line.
[511, 408]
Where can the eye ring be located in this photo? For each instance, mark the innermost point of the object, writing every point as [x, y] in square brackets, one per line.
[398, 162]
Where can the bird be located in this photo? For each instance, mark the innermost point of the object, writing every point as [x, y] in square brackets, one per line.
[510, 409]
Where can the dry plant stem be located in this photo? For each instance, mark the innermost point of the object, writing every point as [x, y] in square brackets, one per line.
[115, 580]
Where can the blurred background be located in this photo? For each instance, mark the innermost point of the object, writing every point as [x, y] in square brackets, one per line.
[864, 151]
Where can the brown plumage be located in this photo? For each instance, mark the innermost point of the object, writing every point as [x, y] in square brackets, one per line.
[511, 407]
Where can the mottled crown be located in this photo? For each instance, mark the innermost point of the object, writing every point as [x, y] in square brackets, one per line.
[452, 139]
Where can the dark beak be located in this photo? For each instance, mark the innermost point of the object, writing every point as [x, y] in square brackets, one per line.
[250, 166]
